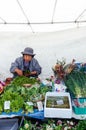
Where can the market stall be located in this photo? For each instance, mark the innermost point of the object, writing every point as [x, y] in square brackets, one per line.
[61, 96]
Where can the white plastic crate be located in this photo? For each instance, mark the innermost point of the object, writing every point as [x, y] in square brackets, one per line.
[9, 124]
[57, 105]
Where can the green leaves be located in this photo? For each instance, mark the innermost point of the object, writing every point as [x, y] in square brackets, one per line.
[76, 83]
[16, 101]
[20, 80]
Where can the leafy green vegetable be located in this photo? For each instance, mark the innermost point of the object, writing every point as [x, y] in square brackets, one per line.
[20, 80]
[76, 83]
[16, 101]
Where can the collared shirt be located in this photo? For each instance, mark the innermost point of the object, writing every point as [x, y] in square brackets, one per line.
[19, 63]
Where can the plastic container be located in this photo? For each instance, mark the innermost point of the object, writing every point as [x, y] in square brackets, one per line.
[80, 110]
[9, 124]
[57, 105]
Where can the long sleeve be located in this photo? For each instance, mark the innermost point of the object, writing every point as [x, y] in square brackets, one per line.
[18, 63]
[34, 66]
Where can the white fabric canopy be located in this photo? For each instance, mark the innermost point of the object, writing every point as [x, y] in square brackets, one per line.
[41, 15]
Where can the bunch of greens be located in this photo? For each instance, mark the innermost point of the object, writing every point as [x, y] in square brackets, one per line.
[76, 83]
[16, 101]
[20, 80]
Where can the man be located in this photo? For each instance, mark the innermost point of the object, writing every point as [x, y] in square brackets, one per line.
[26, 65]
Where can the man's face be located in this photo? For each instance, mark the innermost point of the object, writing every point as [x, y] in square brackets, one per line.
[27, 58]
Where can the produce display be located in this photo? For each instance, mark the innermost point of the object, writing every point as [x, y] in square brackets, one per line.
[24, 93]
[73, 75]
[19, 96]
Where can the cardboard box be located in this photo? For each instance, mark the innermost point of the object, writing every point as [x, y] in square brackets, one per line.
[57, 105]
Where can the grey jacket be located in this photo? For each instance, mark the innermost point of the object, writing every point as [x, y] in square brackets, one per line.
[34, 66]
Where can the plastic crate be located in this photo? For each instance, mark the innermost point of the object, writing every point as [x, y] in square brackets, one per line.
[80, 110]
[9, 124]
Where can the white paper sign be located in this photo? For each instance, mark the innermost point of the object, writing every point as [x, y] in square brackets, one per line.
[7, 105]
[60, 102]
[40, 105]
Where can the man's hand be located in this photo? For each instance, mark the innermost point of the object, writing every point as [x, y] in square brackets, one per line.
[28, 74]
[33, 73]
[19, 72]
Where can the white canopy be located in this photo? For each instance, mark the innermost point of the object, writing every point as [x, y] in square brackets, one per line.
[41, 15]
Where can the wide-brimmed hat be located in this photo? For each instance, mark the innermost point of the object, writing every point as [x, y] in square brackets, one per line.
[28, 51]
